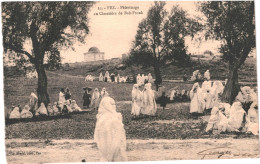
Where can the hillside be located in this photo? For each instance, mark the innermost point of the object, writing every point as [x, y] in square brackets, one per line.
[218, 69]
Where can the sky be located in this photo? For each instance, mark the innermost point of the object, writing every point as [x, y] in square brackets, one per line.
[114, 34]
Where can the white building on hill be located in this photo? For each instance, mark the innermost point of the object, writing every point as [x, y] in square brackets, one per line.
[94, 54]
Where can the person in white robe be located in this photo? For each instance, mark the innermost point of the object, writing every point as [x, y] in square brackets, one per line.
[206, 85]
[103, 93]
[138, 79]
[101, 78]
[142, 79]
[252, 119]
[197, 104]
[150, 78]
[41, 111]
[55, 109]
[107, 76]
[237, 114]
[15, 114]
[149, 106]
[209, 100]
[110, 133]
[26, 112]
[213, 120]
[62, 96]
[136, 100]
[75, 107]
[33, 103]
[173, 94]
[207, 75]
[217, 89]
[95, 99]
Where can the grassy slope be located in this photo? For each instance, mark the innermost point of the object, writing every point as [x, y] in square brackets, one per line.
[18, 89]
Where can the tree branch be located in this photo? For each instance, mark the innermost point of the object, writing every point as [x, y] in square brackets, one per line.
[11, 47]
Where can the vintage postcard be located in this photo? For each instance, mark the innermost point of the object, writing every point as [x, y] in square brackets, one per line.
[116, 81]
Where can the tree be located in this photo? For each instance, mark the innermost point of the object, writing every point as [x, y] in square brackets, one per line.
[160, 37]
[232, 22]
[48, 25]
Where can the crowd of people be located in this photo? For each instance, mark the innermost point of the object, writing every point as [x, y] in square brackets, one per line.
[197, 76]
[241, 116]
[63, 106]
[143, 102]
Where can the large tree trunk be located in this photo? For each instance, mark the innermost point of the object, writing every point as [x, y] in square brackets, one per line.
[42, 85]
[157, 72]
[232, 87]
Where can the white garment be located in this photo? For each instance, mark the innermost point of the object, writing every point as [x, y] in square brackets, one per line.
[136, 100]
[150, 78]
[15, 114]
[109, 132]
[252, 119]
[197, 104]
[55, 109]
[207, 75]
[33, 102]
[236, 115]
[75, 107]
[206, 85]
[95, 99]
[149, 106]
[41, 110]
[213, 120]
[101, 78]
[26, 112]
[62, 97]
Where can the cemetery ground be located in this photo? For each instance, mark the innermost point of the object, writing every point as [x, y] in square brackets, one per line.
[171, 134]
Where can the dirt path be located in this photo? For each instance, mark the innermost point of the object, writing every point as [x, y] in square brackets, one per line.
[36, 151]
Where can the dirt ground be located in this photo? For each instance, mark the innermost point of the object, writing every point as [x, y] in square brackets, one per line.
[62, 151]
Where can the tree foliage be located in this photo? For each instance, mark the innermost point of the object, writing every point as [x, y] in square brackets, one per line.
[160, 37]
[47, 25]
[233, 22]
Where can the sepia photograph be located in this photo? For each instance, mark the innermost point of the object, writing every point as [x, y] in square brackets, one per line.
[126, 81]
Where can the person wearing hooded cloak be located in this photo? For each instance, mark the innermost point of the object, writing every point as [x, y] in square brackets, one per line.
[136, 100]
[237, 115]
[75, 107]
[149, 106]
[62, 96]
[213, 120]
[106, 76]
[252, 119]
[109, 132]
[26, 112]
[139, 80]
[41, 111]
[33, 103]
[150, 78]
[95, 99]
[197, 102]
[207, 75]
[15, 114]
[101, 78]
